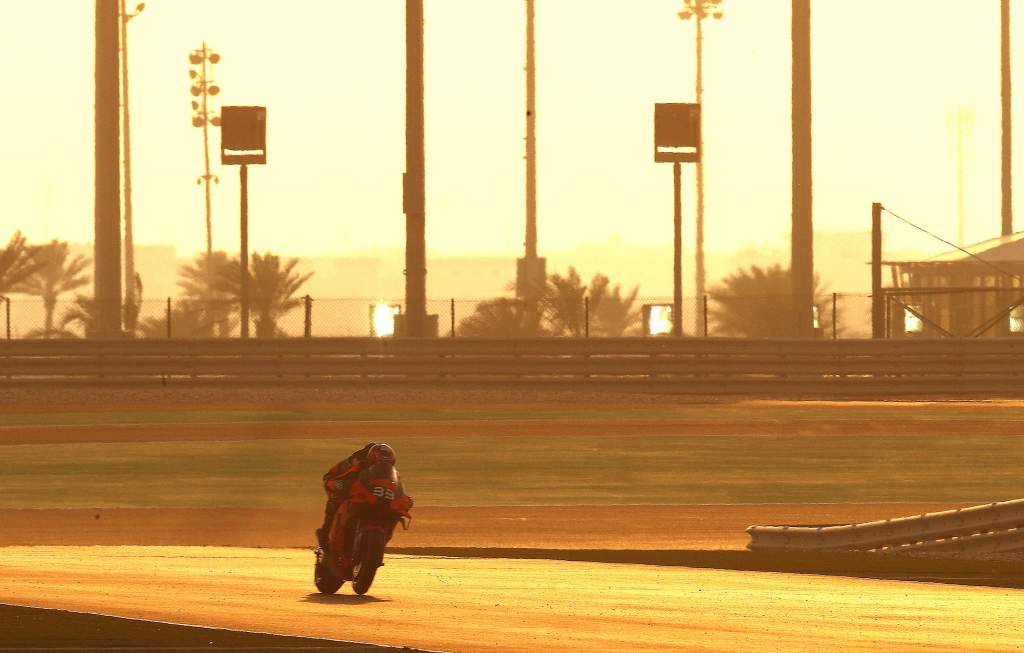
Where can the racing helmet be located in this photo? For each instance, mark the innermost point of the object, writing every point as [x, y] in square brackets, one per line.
[381, 453]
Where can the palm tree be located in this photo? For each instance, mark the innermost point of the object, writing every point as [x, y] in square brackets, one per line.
[562, 302]
[272, 289]
[759, 302]
[501, 317]
[83, 315]
[614, 315]
[201, 283]
[16, 263]
[57, 276]
[188, 320]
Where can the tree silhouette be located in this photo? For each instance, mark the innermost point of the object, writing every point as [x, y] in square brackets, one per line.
[202, 284]
[562, 303]
[759, 302]
[613, 314]
[56, 276]
[187, 321]
[272, 288]
[16, 263]
[83, 315]
[501, 317]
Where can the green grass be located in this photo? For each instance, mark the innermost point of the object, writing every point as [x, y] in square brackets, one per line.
[684, 411]
[523, 470]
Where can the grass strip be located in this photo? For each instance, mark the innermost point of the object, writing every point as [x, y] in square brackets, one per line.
[527, 470]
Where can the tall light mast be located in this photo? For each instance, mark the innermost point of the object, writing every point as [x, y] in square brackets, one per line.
[203, 116]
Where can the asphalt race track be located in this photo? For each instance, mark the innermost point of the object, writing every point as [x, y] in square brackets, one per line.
[459, 604]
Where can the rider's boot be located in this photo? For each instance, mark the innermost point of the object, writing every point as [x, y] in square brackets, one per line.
[324, 531]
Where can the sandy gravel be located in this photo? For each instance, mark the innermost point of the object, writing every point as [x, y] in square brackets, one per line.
[505, 605]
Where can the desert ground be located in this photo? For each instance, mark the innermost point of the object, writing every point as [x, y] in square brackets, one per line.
[544, 520]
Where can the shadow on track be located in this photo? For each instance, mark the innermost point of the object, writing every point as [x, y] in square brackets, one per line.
[342, 599]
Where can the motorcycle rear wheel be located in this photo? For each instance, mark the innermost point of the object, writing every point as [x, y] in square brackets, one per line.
[371, 557]
[325, 581]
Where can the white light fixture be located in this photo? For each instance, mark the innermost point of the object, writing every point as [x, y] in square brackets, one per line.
[912, 324]
[382, 319]
[657, 319]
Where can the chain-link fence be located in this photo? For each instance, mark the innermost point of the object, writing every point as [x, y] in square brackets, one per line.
[836, 315]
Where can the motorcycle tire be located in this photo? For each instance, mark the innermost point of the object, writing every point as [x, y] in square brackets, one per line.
[325, 581]
[371, 557]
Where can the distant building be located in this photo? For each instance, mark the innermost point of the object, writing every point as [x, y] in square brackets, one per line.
[980, 294]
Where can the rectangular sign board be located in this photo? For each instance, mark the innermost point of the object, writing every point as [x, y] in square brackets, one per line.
[676, 132]
[243, 135]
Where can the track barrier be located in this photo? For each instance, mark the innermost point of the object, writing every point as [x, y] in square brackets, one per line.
[989, 528]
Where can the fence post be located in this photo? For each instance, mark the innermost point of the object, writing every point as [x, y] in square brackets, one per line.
[586, 317]
[453, 317]
[7, 302]
[168, 317]
[834, 315]
[705, 312]
[308, 328]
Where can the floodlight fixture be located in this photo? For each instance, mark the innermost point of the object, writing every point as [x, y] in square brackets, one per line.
[382, 319]
[912, 324]
[701, 9]
[657, 319]
[1017, 319]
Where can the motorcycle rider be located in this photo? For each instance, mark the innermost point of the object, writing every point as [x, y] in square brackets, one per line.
[338, 481]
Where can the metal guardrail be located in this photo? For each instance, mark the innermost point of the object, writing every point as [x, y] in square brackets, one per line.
[993, 527]
[703, 364]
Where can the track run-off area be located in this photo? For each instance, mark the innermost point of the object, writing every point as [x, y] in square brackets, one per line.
[623, 517]
[460, 604]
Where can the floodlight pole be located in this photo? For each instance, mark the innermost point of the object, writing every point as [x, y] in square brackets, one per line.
[130, 299]
[801, 264]
[243, 255]
[677, 251]
[1006, 119]
[107, 207]
[877, 301]
[414, 181]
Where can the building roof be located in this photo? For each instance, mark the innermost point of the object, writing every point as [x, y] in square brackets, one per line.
[1003, 248]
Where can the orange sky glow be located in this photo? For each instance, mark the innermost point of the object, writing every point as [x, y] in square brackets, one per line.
[331, 73]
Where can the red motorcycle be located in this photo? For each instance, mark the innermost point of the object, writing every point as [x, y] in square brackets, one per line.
[362, 527]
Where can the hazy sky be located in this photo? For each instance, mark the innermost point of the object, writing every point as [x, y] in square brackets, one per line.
[331, 73]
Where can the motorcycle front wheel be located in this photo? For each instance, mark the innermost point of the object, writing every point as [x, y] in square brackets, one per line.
[371, 555]
[325, 581]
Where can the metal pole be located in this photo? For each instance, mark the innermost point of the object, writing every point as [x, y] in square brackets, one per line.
[206, 154]
[453, 317]
[1007, 126]
[243, 258]
[531, 138]
[586, 316]
[107, 207]
[129, 247]
[877, 302]
[308, 328]
[677, 253]
[415, 175]
[168, 317]
[699, 245]
[705, 313]
[802, 246]
[834, 296]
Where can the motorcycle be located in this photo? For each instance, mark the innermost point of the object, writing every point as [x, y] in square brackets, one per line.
[362, 527]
